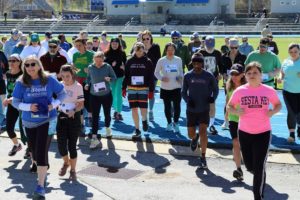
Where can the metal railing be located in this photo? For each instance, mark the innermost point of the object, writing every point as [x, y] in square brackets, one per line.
[21, 24]
[90, 25]
[56, 23]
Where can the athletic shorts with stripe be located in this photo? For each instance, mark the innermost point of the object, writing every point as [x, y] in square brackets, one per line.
[138, 97]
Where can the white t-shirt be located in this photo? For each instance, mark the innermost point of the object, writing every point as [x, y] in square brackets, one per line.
[171, 69]
[31, 50]
[65, 54]
[71, 53]
[74, 95]
[44, 44]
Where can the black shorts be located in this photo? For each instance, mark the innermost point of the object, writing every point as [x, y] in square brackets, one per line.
[138, 98]
[233, 128]
[195, 119]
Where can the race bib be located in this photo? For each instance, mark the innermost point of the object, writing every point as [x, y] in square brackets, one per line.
[271, 48]
[265, 77]
[172, 68]
[137, 80]
[67, 107]
[98, 87]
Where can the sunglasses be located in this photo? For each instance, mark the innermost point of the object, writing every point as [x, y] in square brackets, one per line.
[263, 46]
[30, 64]
[174, 38]
[144, 39]
[53, 47]
[233, 47]
[13, 61]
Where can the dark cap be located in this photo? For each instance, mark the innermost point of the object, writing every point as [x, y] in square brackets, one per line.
[115, 40]
[53, 41]
[48, 34]
[95, 38]
[237, 68]
[264, 41]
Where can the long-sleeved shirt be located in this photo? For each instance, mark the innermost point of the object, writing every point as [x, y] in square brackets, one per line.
[9, 45]
[139, 73]
[172, 69]
[95, 79]
[227, 62]
[182, 51]
[53, 63]
[42, 95]
[119, 58]
[32, 50]
[199, 88]
[246, 48]
[212, 61]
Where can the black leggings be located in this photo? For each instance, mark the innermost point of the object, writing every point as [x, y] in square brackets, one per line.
[96, 103]
[172, 100]
[39, 141]
[254, 148]
[292, 102]
[12, 115]
[68, 130]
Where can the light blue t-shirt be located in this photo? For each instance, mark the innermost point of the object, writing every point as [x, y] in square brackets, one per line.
[42, 95]
[291, 70]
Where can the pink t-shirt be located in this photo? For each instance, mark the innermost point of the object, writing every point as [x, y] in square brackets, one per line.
[256, 103]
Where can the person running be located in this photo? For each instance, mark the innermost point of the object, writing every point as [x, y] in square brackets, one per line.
[140, 82]
[212, 64]
[269, 61]
[236, 79]
[11, 43]
[228, 59]
[116, 57]
[20, 45]
[199, 90]
[34, 47]
[170, 72]
[68, 121]
[152, 51]
[100, 75]
[33, 95]
[12, 114]
[251, 102]
[3, 69]
[81, 60]
[290, 74]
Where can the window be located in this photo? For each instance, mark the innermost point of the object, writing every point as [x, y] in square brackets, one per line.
[294, 3]
[282, 3]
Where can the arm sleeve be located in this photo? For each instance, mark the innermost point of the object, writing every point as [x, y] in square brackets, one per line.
[124, 57]
[58, 89]
[158, 68]
[187, 58]
[277, 64]
[215, 88]
[180, 68]
[276, 51]
[88, 78]
[17, 103]
[80, 96]
[112, 74]
[274, 99]
[126, 76]
[150, 76]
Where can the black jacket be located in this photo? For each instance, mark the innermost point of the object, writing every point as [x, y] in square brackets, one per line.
[120, 58]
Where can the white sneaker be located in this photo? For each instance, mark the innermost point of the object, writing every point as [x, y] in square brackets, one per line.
[108, 132]
[176, 128]
[169, 127]
[94, 143]
[225, 125]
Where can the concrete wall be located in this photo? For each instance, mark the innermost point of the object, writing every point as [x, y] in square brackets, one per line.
[211, 8]
[285, 6]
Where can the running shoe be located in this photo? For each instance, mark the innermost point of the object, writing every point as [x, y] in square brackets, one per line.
[94, 143]
[89, 122]
[136, 134]
[33, 168]
[151, 116]
[39, 193]
[120, 117]
[15, 149]
[238, 174]
[27, 154]
[115, 115]
[194, 142]
[145, 125]
[169, 127]
[73, 175]
[225, 125]
[203, 163]
[108, 133]
[176, 128]
[63, 170]
[298, 132]
[213, 130]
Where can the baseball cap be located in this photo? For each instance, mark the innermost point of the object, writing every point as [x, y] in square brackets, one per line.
[233, 42]
[48, 34]
[210, 41]
[16, 56]
[237, 68]
[53, 41]
[114, 39]
[14, 31]
[197, 58]
[34, 37]
[195, 35]
[175, 34]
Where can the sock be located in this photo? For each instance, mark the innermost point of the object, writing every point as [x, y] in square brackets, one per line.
[292, 134]
[203, 155]
[239, 168]
[211, 121]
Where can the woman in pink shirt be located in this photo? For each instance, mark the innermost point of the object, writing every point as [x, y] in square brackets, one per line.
[251, 102]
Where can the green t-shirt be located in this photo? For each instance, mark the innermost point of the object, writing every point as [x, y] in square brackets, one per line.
[231, 117]
[269, 62]
[82, 61]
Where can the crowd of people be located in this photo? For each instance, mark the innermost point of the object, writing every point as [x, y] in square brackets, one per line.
[70, 82]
